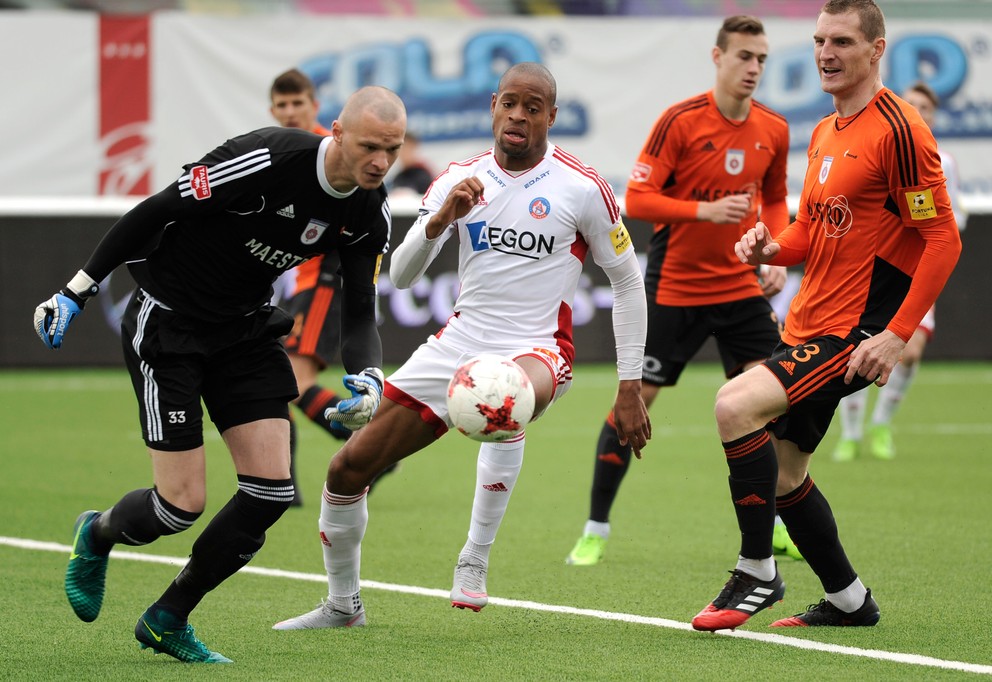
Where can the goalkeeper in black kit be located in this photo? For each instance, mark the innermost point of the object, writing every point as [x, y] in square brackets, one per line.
[204, 253]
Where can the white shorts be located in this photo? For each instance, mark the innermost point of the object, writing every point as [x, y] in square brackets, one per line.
[422, 382]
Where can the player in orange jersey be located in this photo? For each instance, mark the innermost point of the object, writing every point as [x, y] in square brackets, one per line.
[852, 408]
[712, 165]
[877, 234]
[309, 291]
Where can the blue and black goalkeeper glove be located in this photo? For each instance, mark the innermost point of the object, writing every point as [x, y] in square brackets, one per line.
[52, 318]
[366, 391]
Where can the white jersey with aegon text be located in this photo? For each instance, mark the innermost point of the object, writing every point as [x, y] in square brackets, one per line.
[522, 247]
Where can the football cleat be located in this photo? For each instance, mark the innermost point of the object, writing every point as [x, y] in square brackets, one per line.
[782, 544]
[588, 551]
[324, 616]
[86, 575]
[827, 614]
[165, 634]
[742, 597]
[880, 443]
[846, 450]
[469, 589]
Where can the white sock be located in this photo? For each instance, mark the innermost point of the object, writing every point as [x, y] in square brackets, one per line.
[497, 469]
[851, 598]
[890, 396]
[852, 415]
[762, 569]
[342, 524]
[600, 528]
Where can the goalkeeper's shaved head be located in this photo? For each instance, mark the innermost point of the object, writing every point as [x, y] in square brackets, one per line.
[382, 103]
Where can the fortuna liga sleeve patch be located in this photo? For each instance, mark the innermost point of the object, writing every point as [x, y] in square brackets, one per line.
[621, 238]
[921, 206]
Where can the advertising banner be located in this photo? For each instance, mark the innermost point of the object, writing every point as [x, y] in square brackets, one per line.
[112, 105]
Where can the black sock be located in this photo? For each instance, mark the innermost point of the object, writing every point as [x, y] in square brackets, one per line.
[612, 462]
[812, 527]
[228, 542]
[314, 401]
[140, 517]
[753, 477]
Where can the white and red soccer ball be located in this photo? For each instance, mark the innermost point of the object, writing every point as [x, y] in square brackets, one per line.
[490, 398]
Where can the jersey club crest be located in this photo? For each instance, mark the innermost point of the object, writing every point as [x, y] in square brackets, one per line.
[312, 233]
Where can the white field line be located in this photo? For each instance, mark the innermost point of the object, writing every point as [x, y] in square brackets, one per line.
[895, 657]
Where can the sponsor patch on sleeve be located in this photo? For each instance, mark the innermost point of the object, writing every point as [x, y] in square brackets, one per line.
[620, 237]
[199, 181]
[640, 173]
[921, 206]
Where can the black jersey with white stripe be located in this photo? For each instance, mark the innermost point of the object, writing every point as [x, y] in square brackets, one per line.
[211, 244]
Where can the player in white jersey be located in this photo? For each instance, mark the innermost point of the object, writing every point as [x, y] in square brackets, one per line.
[526, 214]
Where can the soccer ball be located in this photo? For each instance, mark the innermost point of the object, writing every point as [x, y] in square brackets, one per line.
[490, 398]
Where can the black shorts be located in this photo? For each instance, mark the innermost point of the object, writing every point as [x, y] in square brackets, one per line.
[812, 374]
[745, 331]
[316, 320]
[238, 368]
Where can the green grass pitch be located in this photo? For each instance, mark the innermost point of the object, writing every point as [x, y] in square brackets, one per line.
[916, 529]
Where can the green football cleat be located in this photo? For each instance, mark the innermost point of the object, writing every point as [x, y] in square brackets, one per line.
[783, 544]
[588, 551]
[165, 634]
[846, 450]
[880, 443]
[86, 576]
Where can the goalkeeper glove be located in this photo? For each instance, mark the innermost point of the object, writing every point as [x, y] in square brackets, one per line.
[366, 391]
[52, 318]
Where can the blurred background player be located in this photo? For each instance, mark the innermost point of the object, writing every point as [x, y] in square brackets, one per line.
[413, 173]
[712, 165]
[311, 291]
[852, 408]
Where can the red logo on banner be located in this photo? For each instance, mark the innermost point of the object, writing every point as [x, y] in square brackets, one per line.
[199, 182]
[125, 167]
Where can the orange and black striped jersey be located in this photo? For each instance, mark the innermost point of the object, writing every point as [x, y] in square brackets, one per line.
[694, 154]
[874, 226]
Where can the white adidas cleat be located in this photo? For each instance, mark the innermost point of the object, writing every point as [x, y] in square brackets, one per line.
[324, 616]
[469, 590]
